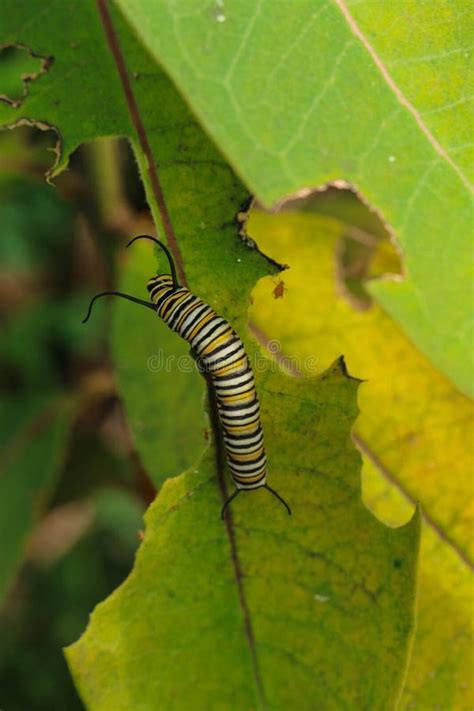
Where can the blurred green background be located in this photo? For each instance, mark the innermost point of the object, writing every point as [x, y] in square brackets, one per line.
[82, 488]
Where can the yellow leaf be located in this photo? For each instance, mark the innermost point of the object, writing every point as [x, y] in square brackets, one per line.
[413, 430]
[440, 673]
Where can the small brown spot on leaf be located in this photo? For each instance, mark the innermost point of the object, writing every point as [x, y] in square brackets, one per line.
[367, 248]
[279, 290]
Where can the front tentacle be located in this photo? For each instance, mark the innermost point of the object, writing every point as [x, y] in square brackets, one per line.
[141, 302]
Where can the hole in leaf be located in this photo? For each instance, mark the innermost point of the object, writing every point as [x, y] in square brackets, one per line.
[366, 249]
[18, 66]
[27, 150]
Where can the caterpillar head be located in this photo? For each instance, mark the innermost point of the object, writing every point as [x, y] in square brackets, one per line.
[160, 280]
[161, 285]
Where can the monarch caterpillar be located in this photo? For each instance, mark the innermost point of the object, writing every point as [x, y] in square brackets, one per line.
[220, 354]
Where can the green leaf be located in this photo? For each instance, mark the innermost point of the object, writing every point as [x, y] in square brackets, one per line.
[271, 608]
[72, 38]
[298, 94]
[412, 430]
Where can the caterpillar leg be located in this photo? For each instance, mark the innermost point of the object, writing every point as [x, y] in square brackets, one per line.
[272, 491]
[265, 486]
[228, 502]
[148, 304]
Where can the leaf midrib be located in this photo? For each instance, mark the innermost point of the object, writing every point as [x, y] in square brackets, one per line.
[138, 125]
[356, 30]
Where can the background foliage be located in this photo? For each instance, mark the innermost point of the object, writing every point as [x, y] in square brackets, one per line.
[91, 428]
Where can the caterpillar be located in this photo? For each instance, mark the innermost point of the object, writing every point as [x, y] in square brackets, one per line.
[221, 356]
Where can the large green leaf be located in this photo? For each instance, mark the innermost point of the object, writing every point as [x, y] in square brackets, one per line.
[412, 429]
[297, 94]
[269, 610]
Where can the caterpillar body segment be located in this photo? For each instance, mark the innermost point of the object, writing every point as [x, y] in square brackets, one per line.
[220, 354]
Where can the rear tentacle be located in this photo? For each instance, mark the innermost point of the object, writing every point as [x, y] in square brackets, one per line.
[275, 493]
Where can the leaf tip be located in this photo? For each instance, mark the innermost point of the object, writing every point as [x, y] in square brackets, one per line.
[341, 365]
[241, 220]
